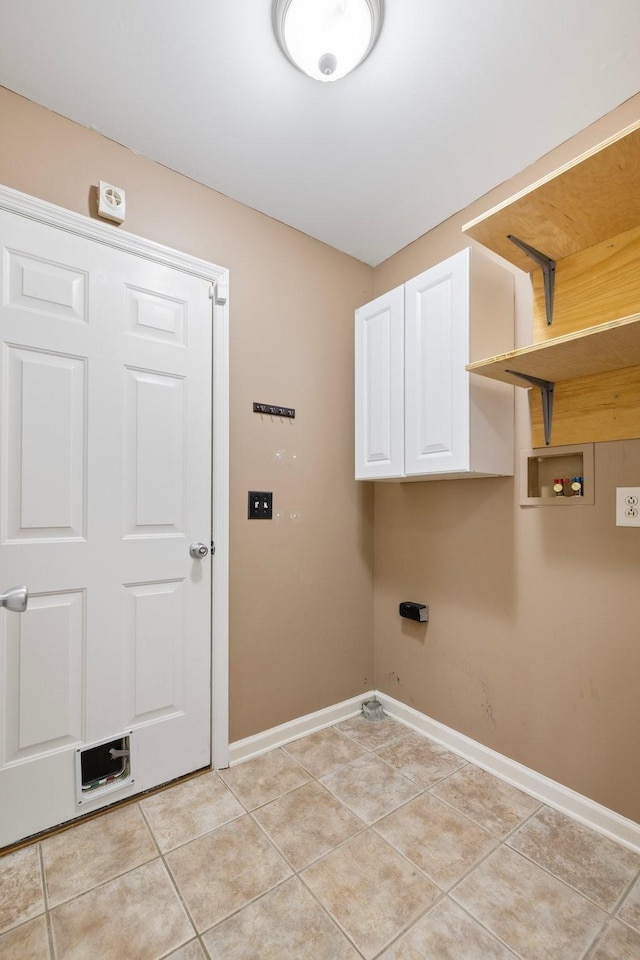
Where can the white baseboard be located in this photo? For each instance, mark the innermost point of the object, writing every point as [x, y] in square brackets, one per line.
[554, 794]
[286, 732]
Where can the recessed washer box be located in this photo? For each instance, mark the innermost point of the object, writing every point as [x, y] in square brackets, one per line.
[541, 467]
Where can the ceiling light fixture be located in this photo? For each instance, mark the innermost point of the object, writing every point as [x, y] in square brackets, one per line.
[327, 39]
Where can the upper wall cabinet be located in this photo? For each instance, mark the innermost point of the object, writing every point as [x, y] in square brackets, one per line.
[578, 233]
[419, 414]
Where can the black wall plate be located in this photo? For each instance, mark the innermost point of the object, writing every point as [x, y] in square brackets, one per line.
[260, 505]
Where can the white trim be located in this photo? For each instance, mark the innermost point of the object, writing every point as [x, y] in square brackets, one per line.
[278, 736]
[108, 234]
[554, 794]
[22, 204]
[575, 805]
[220, 535]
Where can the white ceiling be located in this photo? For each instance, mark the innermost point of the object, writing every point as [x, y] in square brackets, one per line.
[457, 96]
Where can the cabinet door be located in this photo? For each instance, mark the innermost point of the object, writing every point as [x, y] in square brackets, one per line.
[436, 383]
[379, 384]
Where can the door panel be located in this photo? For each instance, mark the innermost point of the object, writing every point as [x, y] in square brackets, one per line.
[44, 445]
[155, 650]
[156, 317]
[433, 335]
[46, 288]
[379, 387]
[105, 437]
[436, 331]
[155, 462]
[44, 660]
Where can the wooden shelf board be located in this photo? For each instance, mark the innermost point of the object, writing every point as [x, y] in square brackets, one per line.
[583, 203]
[594, 350]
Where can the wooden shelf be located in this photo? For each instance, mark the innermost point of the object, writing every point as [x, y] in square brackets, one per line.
[583, 203]
[594, 350]
[584, 219]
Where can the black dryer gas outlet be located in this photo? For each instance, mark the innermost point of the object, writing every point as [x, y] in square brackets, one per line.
[414, 611]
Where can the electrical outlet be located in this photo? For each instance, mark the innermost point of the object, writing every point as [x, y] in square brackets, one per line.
[628, 506]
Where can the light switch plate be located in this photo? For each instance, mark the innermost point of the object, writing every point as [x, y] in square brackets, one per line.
[260, 505]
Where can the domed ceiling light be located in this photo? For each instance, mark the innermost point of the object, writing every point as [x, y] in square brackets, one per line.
[327, 38]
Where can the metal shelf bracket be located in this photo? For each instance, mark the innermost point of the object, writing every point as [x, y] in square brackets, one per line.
[548, 269]
[546, 392]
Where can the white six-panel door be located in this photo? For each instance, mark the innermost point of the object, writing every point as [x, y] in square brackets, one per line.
[105, 445]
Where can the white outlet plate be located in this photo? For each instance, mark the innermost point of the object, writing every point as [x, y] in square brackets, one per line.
[628, 506]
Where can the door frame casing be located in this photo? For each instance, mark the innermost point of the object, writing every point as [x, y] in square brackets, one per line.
[13, 201]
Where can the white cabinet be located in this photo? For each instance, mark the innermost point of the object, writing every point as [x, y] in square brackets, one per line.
[419, 414]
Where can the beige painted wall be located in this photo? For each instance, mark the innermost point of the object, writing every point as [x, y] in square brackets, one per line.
[533, 646]
[301, 590]
[533, 643]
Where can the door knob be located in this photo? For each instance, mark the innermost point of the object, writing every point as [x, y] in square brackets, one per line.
[15, 599]
[198, 550]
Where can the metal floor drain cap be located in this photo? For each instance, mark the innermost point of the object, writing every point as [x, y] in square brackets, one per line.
[372, 710]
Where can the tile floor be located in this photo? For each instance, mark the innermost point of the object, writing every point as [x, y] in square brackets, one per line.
[365, 840]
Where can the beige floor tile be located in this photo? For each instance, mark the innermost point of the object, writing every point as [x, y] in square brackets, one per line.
[436, 838]
[322, 752]
[447, 933]
[190, 951]
[21, 896]
[535, 914]
[189, 810]
[630, 909]
[420, 759]
[372, 733]
[93, 852]
[492, 803]
[362, 889]
[618, 943]
[370, 787]
[223, 871]
[596, 866]
[30, 941]
[258, 781]
[138, 915]
[287, 924]
[370, 890]
[307, 823]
